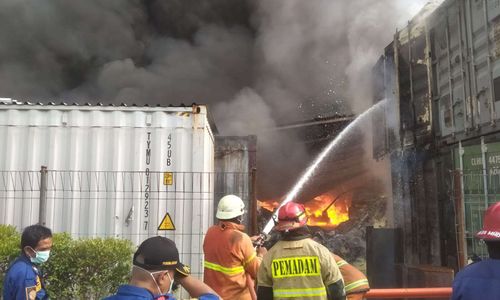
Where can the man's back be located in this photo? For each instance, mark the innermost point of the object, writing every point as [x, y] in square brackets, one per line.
[229, 256]
[299, 269]
[480, 280]
[130, 292]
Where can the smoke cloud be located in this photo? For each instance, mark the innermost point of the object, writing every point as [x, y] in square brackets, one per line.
[257, 63]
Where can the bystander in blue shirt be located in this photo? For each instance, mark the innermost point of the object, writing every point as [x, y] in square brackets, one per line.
[23, 281]
[479, 280]
[130, 292]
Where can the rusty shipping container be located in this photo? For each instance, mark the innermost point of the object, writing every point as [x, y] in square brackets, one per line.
[441, 76]
[465, 41]
[235, 172]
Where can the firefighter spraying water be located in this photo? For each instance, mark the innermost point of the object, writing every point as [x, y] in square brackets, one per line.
[297, 267]
[231, 263]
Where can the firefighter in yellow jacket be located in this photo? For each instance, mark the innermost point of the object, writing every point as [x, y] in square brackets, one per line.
[356, 283]
[297, 267]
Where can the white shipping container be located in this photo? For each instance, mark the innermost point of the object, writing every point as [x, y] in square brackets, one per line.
[113, 171]
[105, 138]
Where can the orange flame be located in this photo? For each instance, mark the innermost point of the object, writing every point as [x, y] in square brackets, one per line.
[315, 209]
[332, 217]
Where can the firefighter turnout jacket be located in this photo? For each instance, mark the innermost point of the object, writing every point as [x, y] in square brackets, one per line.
[229, 257]
[356, 283]
[298, 269]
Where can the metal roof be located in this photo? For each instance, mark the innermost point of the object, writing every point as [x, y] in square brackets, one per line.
[9, 101]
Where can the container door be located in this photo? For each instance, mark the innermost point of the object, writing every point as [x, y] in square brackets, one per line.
[481, 188]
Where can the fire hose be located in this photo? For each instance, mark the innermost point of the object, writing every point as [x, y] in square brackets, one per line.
[431, 292]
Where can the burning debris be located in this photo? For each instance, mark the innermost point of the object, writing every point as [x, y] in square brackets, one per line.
[326, 211]
[330, 216]
[339, 220]
[349, 238]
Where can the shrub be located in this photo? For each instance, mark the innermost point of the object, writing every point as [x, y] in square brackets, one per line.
[92, 268]
[10, 241]
[59, 271]
[77, 268]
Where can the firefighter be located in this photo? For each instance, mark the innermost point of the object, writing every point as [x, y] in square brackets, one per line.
[481, 280]
[230, 257]
[297, 267]
[23, 280]
[356, 283]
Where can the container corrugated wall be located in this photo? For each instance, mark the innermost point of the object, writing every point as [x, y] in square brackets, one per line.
[465, 38]
[102, 139]
[112, 171]
[447, 91]
[235, 162]
[447, 71]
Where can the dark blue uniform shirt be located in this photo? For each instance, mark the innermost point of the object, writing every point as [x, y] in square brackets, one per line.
[130, 292]
[480, 280]
[23, 281]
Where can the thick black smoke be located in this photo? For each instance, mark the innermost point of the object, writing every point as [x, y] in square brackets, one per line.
[256, 63]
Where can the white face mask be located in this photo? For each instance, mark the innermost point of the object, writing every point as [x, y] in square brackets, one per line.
[40, 256]
[160, 295]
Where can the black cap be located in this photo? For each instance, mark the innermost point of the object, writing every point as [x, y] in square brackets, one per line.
[159, 253]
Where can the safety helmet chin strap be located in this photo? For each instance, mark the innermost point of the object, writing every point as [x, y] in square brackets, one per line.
[239, 219]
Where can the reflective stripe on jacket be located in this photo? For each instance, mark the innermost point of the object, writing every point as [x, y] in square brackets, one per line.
[299, 269]
[229, 257]
[355, 281]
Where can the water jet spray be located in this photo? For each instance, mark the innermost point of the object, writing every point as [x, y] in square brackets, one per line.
[312, 168]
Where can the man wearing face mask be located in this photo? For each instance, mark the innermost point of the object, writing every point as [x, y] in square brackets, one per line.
[155, 265]
[23, 280]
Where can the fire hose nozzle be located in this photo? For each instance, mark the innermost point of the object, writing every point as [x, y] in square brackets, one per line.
[261, 239]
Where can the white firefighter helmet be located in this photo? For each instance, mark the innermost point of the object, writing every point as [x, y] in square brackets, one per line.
[230, 206]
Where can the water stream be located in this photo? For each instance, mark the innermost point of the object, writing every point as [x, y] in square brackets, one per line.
[310, 170]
